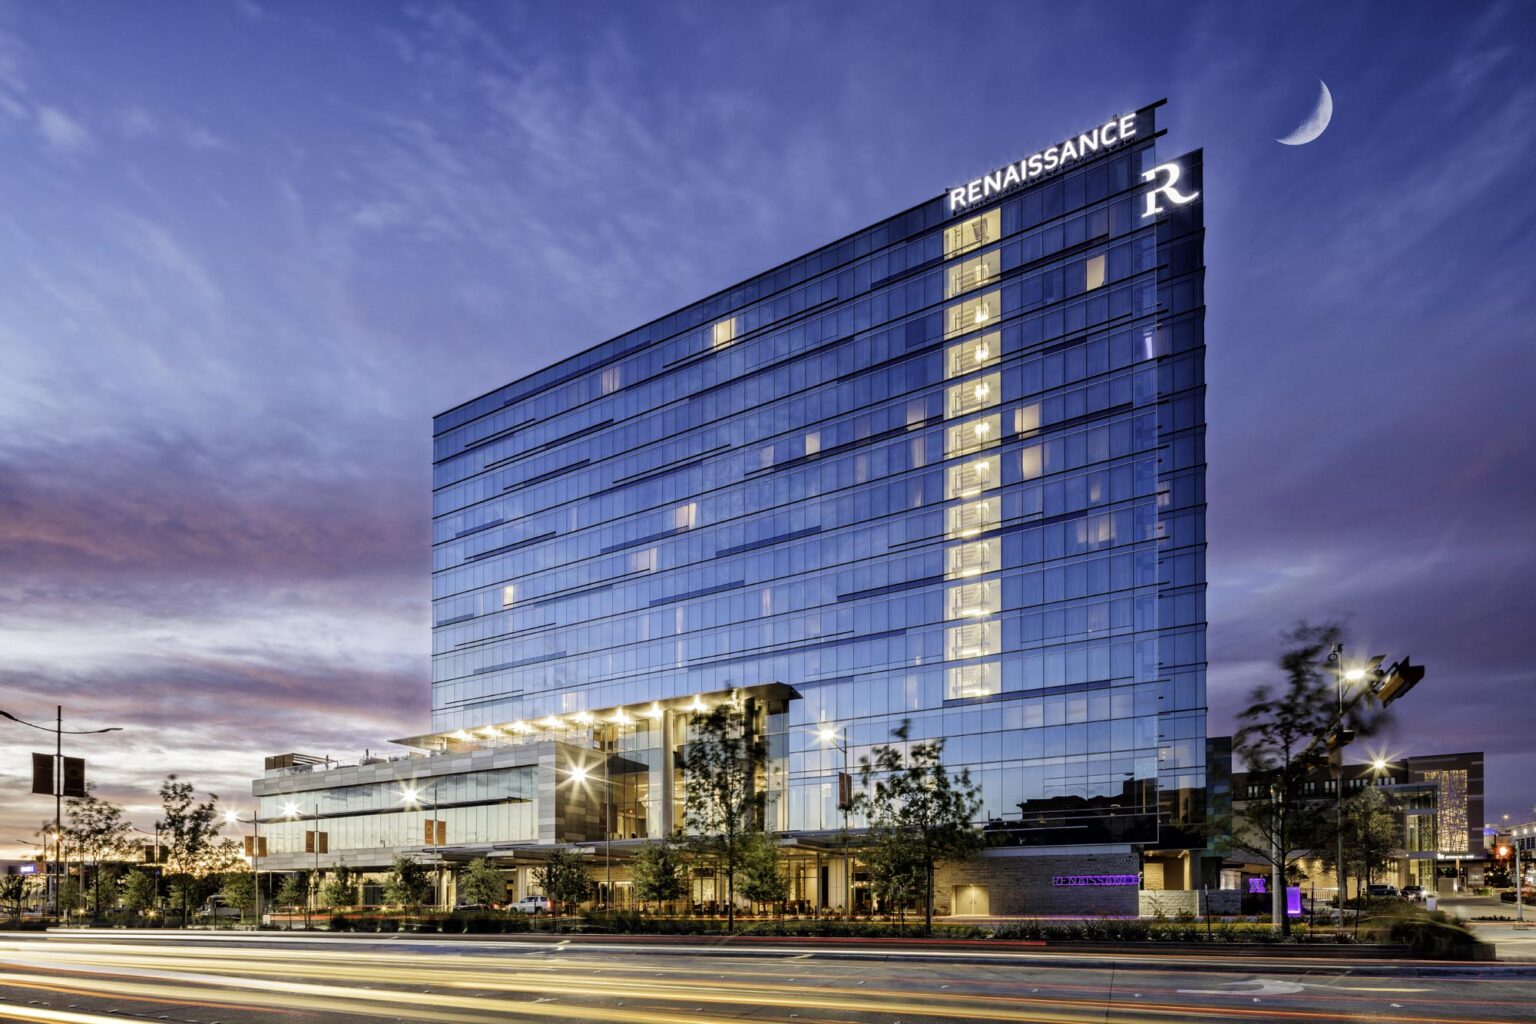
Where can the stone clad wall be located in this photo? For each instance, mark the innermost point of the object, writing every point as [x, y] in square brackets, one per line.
[1021, 885]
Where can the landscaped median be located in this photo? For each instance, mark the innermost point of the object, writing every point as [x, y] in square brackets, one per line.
[1413, 932]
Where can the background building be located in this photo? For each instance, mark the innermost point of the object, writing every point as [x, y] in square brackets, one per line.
[949, 469]
[1440, 798]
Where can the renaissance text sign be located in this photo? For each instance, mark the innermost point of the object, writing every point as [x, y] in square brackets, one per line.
[1071, 881]
[1108, 135]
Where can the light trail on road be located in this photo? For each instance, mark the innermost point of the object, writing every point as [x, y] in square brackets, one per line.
[469, 983]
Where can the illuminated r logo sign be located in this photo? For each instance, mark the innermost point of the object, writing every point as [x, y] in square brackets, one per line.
[1174, 196]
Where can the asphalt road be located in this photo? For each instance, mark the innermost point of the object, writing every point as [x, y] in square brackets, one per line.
[229, 979]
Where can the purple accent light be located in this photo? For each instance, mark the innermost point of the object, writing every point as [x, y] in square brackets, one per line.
[1293, 901]
[1257, 887]
[1069, 881]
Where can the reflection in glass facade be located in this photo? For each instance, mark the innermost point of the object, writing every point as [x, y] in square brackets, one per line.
[948, 469]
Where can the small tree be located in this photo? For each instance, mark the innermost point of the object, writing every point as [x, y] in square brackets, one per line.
[1281, 735]
[659, 873]
[1372, 832]
[71, 896]
[239, 890]
[762, 877]
[139, 891]
[910, 798]
[189, 831]
[409, 883]
[896, 872]
[295, 890]
[482, 882]
[340, 890]
[723, 800]
[13, 890]
[98, 831]
[564, 879]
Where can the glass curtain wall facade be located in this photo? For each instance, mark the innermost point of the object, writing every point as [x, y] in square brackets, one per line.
[949, 469]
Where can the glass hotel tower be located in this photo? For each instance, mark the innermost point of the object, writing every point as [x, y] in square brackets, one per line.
[949, 469]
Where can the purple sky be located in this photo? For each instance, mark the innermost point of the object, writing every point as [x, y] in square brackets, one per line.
[248, 251]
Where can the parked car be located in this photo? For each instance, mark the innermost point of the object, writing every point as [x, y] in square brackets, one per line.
[533, 905]
[1379, 891]
[1414, 893]
[215, 908]
[475, 906]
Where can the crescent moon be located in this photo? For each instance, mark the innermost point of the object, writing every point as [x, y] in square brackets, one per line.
[1315, 123]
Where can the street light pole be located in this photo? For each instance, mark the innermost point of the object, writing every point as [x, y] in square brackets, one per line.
[1338, 793]
[58, 731]
[830, 735]
[234, 818]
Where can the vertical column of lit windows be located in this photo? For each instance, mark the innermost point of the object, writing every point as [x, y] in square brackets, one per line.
[973, 594]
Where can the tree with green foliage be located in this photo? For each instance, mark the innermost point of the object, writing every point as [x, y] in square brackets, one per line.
[564, 879]
[409, 883]
[189, 834]
[340, 890]
[1281, 737]
[1373, 831]
[913, 803]
[72, 897]
[723, 799]
[98, 831]
[896, 871]
[762, 873]
[482, 883]
[13, 892]
[239, 890]
[295, 890]
[659, 872]
[139, 891]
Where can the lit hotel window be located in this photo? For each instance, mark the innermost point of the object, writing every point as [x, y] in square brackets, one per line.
[972, 354]
[973, 559]
[508, 595]
[973, 435]
[973, 314]
[973, 233]
[1026, 418]
[973, 273]
[972, 640]
[813, 443]
[686, 517]
[973, 600]
[971, 478]
[612, 379]
[981, 680]
[643, 561]
[1031, 462]
[724, 333]
[973, 395]
[1095, 273]
[972, 518]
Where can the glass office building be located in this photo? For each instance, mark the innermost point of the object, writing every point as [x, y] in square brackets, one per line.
[947, 470]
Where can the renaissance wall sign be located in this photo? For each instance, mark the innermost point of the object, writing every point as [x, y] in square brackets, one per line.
[1073, 881]
[1108, 135]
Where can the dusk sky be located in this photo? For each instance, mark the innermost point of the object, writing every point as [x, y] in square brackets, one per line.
[249, 249]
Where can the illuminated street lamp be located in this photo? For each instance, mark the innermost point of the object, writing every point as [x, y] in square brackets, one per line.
[410, 795]
[834, 737]
[232, 817]
[291, 810]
